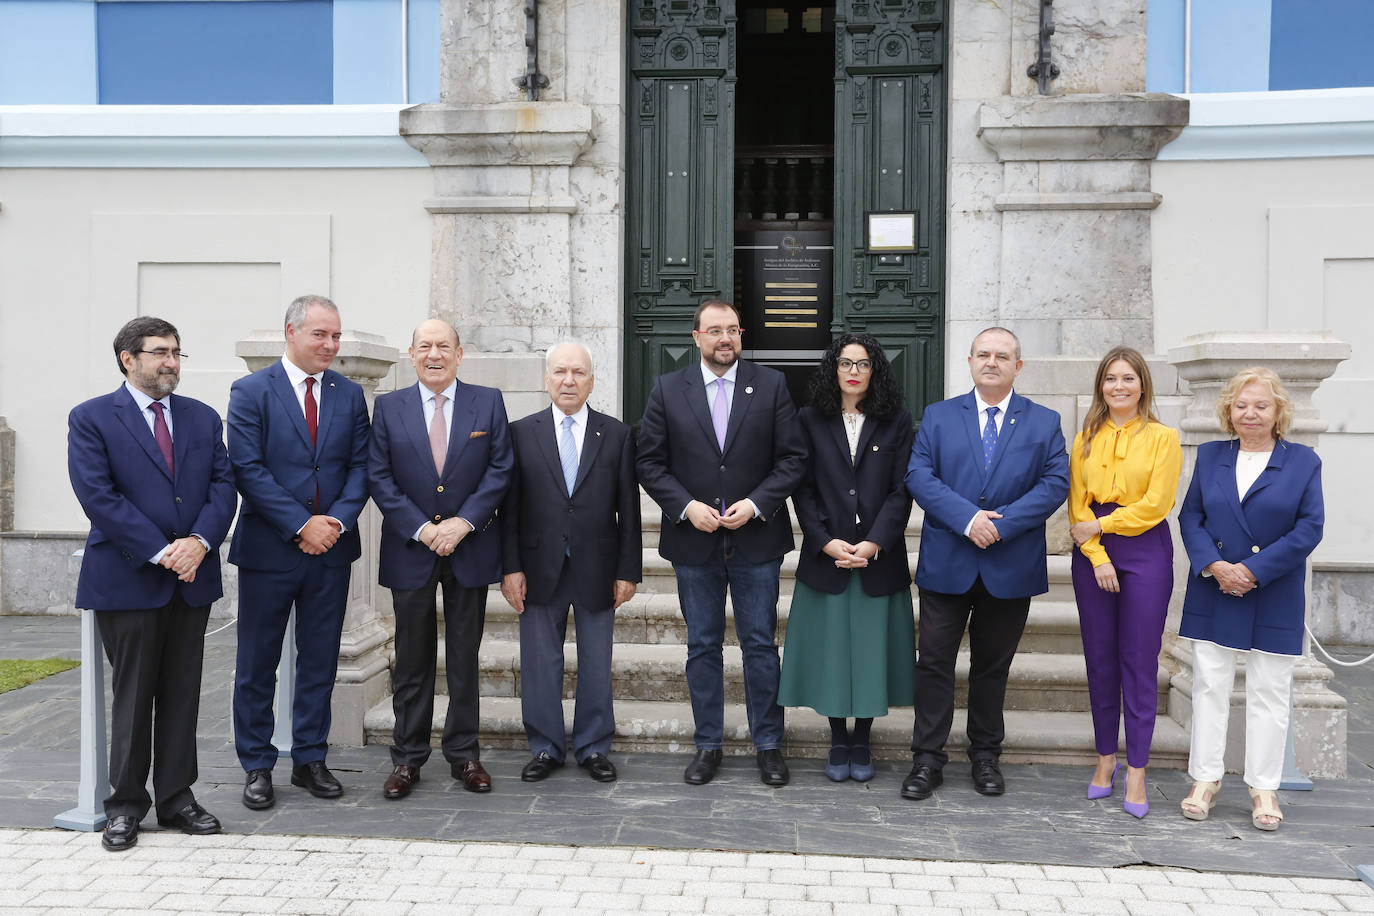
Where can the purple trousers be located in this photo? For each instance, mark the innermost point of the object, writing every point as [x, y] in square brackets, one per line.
[1122, 633]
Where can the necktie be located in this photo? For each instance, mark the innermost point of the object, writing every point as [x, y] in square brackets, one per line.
[720, 413]
[567, 454]
[161, 433]
[438, 435]
[312, 410]
[989, 438]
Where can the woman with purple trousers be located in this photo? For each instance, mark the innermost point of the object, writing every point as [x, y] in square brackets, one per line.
[1123, 477]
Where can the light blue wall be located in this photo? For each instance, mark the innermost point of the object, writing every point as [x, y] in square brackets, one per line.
[367, 51]
[47, 52]
[1164, 46]
[1230, 46]
[1322, 44]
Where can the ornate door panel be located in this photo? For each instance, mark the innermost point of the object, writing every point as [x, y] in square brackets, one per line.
[679, 188]
[890, 156]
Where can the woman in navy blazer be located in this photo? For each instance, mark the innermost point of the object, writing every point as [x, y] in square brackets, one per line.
[1252, 516]
[850, 629]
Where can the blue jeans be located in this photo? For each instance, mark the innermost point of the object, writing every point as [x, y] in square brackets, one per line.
[754, 592]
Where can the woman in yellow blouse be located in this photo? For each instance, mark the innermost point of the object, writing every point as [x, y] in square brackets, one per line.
[1123, 477]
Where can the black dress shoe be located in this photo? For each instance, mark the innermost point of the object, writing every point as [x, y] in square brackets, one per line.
[257, 790]
[539, 767]
[772, 768]
[316, 778]
[400, 782]
[987, 778]
[121, 833]
[600, 767]
[192, 819]
[921, 782]
[702, 769]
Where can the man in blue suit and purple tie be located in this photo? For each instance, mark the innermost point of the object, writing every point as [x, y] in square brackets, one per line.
[151, 473]
[988, 468]
[298, 436]
[438, 468]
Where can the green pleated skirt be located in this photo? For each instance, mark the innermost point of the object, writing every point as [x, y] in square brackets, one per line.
[848, 654]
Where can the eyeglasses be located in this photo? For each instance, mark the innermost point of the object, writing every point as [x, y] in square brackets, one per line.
[161, 353]
[863, 365]
[715, 333]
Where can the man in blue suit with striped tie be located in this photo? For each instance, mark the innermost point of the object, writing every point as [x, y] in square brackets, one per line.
[988, 468]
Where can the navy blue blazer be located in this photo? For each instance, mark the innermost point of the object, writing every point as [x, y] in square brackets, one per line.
[836, 491]
[1028, 480]
[278, 471]
[763, 460]
[1272, 531]
[137, 506]
[405, 486]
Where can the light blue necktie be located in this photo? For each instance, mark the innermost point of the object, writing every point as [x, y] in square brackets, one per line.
[989, 438]
[567, 453]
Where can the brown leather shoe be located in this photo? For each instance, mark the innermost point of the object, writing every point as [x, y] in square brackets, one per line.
[401, 781]
[471, 775]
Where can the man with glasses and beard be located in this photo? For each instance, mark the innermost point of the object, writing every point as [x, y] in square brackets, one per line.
[151, 473]
[720, 451]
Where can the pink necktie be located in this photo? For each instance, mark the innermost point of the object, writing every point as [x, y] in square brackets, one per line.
[720, 413]
[438, 435]
[162, 434]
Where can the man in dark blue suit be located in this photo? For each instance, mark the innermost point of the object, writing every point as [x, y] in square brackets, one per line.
[570, 536]
[988, 468]
[298, 436]
[720, 450]
[438, 468]
[151, 473]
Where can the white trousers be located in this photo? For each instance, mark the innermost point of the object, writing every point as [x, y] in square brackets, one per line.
[1268, 684]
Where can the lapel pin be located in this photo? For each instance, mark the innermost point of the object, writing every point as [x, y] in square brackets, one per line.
[875, 448]
[598, 432]
[749, 389]
[1013, 420]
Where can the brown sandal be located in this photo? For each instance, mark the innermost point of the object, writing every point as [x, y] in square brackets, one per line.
[1199, 802]
[1268, 806]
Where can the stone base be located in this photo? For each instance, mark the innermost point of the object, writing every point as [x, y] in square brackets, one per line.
[1342, 594]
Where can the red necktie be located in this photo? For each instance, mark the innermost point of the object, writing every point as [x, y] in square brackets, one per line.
[162, 434]
[312, 423]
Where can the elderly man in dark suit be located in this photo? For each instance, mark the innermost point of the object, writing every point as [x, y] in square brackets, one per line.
[570, 536]
[438, 468]
[988, 467]
[298, 435]
[151, 473]
[720, 451]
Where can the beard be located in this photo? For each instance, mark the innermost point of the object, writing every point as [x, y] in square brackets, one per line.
[722, 356]
[159, 382]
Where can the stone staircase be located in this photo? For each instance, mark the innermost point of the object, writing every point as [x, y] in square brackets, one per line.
[1047, 710]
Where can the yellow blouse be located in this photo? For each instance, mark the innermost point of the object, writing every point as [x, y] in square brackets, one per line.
[1133, 467]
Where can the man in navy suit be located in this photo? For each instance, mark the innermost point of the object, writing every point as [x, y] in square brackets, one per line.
[438, 467]
[988, 468]
[298, 436]
[570, 533]
[151, 473]
[720, 451]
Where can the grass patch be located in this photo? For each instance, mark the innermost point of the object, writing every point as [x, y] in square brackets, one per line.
[20, 672]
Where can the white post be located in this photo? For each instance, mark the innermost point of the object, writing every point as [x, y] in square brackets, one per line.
[286, 688]
[89, 813]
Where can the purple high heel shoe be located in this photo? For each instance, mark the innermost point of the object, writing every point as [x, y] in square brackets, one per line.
[1104, 791]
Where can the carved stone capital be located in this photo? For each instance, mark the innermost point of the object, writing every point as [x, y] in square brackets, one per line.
[501, 134]
[363, 357]
[1081, 127]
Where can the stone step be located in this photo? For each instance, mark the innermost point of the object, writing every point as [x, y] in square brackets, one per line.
[656, 672]
[649, 726]
[657, 619]
[651, 521]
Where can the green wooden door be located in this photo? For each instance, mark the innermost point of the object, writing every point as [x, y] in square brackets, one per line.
[890, 157]
[679, 190]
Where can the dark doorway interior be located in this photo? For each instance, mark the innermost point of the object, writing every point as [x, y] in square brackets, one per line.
[784, 183]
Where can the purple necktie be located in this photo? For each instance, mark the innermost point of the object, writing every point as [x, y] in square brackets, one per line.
[162, 434]
[720, 413]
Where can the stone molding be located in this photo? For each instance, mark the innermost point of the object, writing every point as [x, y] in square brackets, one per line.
[1079, 200]
[363, 357]
[1081, 127]
[501, 134]
[501, 204]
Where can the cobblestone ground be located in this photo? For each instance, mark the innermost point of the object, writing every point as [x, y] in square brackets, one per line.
[46, 871]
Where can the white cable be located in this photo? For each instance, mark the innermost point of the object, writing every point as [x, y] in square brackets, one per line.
[232, 621]
[1335, 661]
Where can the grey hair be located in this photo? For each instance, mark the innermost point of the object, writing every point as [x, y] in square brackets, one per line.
[1000, 330]
[295, 312]
[548, 357]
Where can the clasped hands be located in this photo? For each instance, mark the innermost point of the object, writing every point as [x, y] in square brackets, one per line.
[444, 537]
[982, 532]
[705, 518]
[318, 535]
[850, 556]
[1232, 578]
[183, 557]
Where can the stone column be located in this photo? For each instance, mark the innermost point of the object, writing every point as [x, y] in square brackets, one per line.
[363, 678]
[1302, 360]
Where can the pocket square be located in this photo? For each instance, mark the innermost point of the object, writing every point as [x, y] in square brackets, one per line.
[477, 434]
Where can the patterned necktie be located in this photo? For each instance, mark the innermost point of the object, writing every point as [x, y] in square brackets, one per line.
[989, 438]
[720, 413]
[312, 410]
[438, 435]
[567, 454]
[162, 434]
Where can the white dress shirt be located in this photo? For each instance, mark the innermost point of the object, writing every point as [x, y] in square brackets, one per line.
[297, 376]
[144, 402]
[1001, 417]
[709, 378]
[427, 409]
[579, 428]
